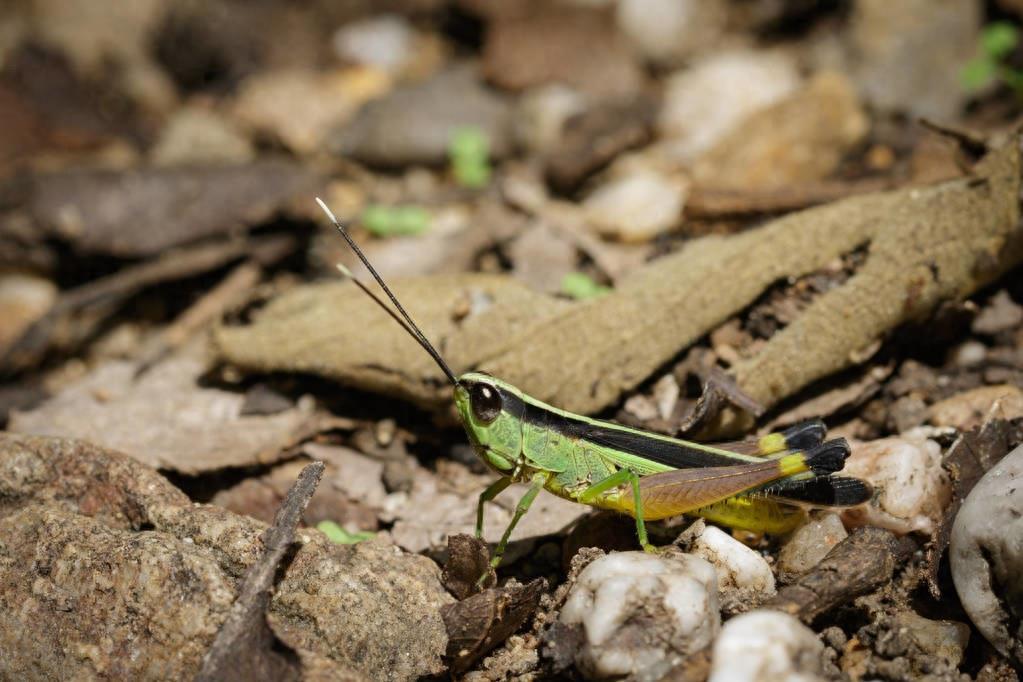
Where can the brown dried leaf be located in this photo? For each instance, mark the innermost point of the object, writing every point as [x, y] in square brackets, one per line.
[478, 624]
[334, 330]
[145, 211]
[166, 419]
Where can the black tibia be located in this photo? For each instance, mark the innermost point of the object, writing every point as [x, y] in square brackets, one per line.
[829, 457]
[822, 491]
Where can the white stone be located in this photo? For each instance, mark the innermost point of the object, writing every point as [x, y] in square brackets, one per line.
[638, 206]
[767, 646]
[706, 101]
[743, 574]
[667, 31]
[986, 555]
[542, 113]
[611, 594]
[910, 487]
[384, 41]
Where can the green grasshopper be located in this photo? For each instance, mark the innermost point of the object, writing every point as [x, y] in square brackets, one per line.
[762, 485]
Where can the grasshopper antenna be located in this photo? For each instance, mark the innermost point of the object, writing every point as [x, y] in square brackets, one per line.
[405, 320]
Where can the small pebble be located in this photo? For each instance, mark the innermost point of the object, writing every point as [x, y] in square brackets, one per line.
[971, 408]
[744, 577]
[383, 41]
[944, 639]
[668, 31]
[800, 139]
[986, 555]
[640, 612]
[811, 542]
[266, 103]
[23, 300]
[415, 124]
[636, 207]
[542, 113]
[911, 488]
[704, 102]
[766, 646]
[969, 354]
[199, 135]
[999, 315]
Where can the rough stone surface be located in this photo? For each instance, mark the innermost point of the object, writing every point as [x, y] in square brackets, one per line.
[108, 570]
[986, 555]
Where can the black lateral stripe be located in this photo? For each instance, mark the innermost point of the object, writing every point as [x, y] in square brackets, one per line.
[824, 491]
[669, 453]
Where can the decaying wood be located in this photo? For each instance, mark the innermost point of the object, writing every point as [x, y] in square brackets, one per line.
[924, 246]
[858, 565]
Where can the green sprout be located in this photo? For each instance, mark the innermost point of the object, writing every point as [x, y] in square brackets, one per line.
[391, 221]
[469, 153]
[581, 286]
[339, 536]
[998, 41]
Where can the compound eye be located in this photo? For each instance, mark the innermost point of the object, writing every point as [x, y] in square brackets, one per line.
[485, 401]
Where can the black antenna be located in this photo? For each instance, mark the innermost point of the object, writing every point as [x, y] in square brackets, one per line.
[407, 324]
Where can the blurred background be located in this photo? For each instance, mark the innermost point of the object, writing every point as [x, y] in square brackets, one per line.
[148, 148]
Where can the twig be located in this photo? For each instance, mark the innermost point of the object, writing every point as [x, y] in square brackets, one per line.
[229, 290]
[242, 649]
[108, 291]
[858, 565]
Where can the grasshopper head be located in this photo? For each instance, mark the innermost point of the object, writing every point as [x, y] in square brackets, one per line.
[494, 431]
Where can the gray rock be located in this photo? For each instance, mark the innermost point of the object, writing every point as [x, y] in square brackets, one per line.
[986, 555]
[811, 542]
[414, 124]
[907, 55]
[86, 593]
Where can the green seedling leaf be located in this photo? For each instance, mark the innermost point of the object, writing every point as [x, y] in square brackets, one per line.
[391, 221]
[472, 175]
[339, 536]
[581, 286]
[469, 152]
[998, 39]
[978, 73]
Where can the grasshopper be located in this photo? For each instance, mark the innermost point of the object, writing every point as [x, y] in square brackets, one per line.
[762, 485]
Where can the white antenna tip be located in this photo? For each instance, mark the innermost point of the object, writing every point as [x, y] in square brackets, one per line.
[344, 270]
[330, 214]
